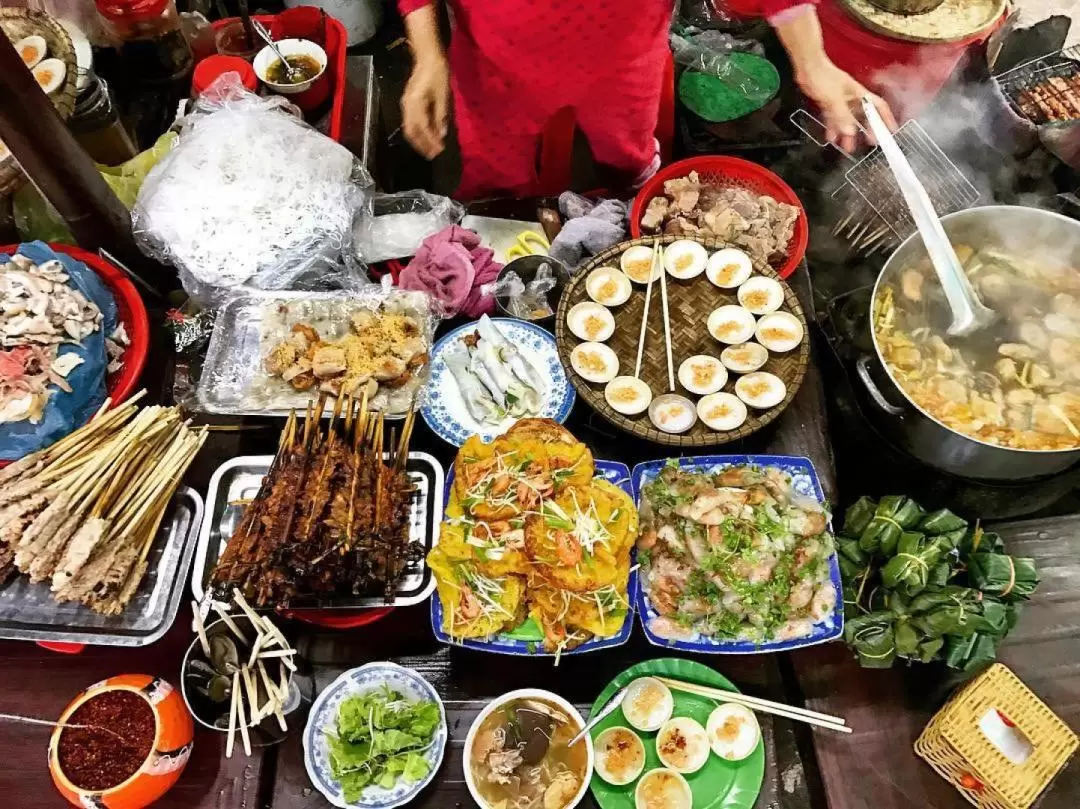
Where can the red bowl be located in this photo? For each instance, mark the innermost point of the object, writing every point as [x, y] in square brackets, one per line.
[130, 311]
[721, 170]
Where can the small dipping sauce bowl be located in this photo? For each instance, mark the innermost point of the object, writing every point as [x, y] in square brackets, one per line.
[289, 47]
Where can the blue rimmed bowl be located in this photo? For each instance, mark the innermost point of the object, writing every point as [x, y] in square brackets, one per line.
[324, 715]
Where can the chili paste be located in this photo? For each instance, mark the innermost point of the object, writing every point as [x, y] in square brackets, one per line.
[119, 737]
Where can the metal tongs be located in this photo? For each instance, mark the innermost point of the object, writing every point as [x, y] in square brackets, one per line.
[969, 315]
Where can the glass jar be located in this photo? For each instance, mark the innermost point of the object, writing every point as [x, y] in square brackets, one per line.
[97, 127]
[150, 62]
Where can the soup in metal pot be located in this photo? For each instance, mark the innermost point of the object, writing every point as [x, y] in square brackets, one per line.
[1017, 382]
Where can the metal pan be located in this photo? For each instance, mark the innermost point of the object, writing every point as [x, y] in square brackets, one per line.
[916, 430]
[240, 478]
[28, 612]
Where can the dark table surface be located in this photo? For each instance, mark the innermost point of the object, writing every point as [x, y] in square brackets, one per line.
[804, 768]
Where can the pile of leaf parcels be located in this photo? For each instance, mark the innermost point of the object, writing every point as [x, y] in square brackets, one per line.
[926, 585]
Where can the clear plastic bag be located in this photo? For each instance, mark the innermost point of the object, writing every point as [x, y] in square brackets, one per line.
[709, 52]
[250, 197]
[393, 225]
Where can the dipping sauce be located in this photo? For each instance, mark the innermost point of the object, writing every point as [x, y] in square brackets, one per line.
[305, 69]
[112, 750]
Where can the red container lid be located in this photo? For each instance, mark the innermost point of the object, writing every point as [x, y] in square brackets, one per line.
[131, 9]
[208, 70]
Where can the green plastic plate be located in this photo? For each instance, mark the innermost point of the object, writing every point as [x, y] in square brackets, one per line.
[753, 83]
[719, 784]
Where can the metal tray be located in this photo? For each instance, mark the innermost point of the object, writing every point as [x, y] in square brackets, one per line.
[233, 381]
[28, 612]
[240, 478]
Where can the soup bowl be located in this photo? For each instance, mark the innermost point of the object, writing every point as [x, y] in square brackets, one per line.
[527, 693]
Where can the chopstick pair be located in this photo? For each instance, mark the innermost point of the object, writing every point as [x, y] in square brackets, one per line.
[821, 720]
[657, 259]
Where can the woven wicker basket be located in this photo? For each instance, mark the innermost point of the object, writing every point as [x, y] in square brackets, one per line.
[17, 23]
[955, 746]
[690, 303]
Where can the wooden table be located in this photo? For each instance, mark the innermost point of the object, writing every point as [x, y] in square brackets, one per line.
[803, 769]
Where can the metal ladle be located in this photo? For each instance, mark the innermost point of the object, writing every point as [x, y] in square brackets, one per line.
[260, 29]
[969, 315]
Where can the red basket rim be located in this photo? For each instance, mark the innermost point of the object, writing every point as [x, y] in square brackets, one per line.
[338, 619]
[124, 382]
[743, 169]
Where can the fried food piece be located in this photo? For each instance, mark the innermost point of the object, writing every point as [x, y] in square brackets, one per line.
[281, 358]
[328, 361]
[475, 605]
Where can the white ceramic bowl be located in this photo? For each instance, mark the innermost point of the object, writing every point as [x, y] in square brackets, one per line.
[289, 47]
[527, 693]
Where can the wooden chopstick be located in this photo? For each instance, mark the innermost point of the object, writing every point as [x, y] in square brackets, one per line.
[765, 706]
[645, 314]
[667, 324]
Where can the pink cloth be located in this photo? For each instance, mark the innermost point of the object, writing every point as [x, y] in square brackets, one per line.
[451, 266]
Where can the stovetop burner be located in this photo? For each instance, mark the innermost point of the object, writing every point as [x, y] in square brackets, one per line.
[865, 453]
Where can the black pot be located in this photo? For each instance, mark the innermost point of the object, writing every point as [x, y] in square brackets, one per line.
[920, 433]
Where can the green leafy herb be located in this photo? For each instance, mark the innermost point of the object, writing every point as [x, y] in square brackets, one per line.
[380, 739]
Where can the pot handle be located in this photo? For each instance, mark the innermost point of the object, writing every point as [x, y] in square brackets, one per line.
[862, 368]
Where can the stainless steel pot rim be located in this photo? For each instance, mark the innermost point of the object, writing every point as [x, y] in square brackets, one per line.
[881, 359]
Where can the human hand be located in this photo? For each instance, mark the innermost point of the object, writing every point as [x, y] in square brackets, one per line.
[838, 95]
[425, 106]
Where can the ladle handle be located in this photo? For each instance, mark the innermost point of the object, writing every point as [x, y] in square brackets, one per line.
[958, 292]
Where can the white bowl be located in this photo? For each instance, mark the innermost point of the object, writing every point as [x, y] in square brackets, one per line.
[289, 47]
[527, 693]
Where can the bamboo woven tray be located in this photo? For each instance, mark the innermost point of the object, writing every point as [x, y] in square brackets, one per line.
[690, 303]
[17, 23]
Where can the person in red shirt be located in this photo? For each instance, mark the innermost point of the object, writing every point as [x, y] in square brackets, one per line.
[514, 63]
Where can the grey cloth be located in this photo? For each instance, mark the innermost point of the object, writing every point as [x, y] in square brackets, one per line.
[591, 228]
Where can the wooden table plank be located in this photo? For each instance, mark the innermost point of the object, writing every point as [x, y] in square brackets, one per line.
[875, 766]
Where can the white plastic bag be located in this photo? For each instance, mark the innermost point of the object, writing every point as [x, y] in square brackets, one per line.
[252, 196]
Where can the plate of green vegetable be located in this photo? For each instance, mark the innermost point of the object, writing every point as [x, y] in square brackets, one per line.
[375, 737]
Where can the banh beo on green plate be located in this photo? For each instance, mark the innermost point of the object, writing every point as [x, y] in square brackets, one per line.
[717, 783]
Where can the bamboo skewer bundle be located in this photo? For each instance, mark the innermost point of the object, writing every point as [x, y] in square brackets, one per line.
[332, 515]
[85, 511]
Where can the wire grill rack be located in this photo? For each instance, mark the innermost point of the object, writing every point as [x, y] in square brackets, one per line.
[948, 188]
[1045, 90]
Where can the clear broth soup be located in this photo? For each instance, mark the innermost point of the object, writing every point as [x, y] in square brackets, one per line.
[520, 759]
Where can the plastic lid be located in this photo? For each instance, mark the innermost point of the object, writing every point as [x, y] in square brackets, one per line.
[131, 9]
[208, 70]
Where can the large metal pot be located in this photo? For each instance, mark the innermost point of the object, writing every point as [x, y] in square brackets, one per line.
[1025, 231]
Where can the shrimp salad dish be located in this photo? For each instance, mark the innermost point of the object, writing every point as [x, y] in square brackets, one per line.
[531, 535]
[733, 555]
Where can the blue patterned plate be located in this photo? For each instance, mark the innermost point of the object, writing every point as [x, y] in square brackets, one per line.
[804, 480]
[444, 410]
[323, 717]
[611, 471]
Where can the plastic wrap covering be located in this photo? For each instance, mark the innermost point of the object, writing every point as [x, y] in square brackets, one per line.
[251, 196]
[393, 225]
[274, 351]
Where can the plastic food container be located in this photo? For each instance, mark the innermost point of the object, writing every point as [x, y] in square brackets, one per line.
[173, 734]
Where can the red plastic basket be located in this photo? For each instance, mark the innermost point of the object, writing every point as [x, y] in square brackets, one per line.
[727, 171]
[335, 47]
[130, 311]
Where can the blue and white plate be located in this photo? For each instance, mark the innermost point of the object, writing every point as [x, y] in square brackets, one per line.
[444, 410]
[804, 480]
[323, 719]
[616, 473]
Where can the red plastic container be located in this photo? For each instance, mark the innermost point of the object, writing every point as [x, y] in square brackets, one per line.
[212, 67]
[885, 64]
[130, 311]
[284, 25]
[722, 170]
